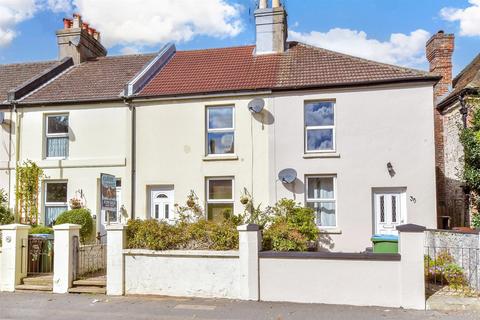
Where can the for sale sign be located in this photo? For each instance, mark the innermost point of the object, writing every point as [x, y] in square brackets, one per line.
[108, 192]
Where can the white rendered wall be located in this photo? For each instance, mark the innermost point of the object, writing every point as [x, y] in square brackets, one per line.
[374, 126]
[176, 273]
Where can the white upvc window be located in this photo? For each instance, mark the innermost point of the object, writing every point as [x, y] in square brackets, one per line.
[220, 197]
[321, 197]
[220, 137]
[55, 201]
[56, 133]
[319, 126]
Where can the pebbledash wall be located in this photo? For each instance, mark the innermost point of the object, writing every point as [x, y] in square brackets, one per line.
[363, 279]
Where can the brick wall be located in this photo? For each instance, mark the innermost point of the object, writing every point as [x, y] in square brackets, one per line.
[439, 51]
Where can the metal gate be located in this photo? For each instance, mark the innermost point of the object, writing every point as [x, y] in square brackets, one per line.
[89, 260]
[39, 254]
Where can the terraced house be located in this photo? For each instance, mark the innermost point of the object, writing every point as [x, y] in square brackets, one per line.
[349, 137]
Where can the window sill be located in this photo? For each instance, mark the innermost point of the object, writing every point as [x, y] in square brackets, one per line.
[329, 230]
[229, 157]
[321, 155]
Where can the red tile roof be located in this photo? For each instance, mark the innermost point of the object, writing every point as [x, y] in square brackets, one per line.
[13, 75]
[238, 69]
[98, 79]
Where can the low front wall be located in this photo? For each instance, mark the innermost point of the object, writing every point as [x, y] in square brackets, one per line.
[206, 274]
[350, 279]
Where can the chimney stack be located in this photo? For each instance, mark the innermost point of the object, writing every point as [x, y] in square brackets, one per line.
[79, 41]
[271, 28]
[439, 50]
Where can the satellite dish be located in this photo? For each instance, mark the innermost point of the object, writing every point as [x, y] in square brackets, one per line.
[256, 105]
[287, 175]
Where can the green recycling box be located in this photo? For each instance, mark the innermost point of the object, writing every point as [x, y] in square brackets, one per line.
[385, 243]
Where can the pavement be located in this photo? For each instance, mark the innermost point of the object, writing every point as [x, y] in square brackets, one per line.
[26, 305]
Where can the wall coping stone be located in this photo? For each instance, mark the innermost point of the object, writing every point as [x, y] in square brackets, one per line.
[411, 228]
[15, 226]
[182, 253]
[330, 255]
[67, 226]
[249, 227]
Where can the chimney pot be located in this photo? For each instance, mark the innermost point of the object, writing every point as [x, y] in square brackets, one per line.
[67, 23]
[85, 26]
[262, 4]
[77, 21]
[275, 3]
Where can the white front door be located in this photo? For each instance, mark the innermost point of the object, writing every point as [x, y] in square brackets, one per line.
[389, 211]
[162, 204]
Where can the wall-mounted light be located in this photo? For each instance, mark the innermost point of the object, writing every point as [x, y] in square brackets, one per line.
[390, 169]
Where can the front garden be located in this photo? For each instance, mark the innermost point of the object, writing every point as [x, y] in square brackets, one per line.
[287, 226]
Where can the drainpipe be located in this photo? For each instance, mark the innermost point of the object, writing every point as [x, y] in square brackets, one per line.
[18, 119]
[132, 108]
[10, 154]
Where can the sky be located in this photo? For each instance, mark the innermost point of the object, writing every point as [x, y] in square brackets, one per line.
[390, 31]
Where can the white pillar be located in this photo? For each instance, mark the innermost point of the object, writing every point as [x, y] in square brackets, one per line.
[250, 244]
[116, 242]
[411, 246]
[63, 264]
[13, 262]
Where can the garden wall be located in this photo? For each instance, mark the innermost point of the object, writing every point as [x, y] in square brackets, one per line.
[353, 279]
[367, 279]
[206, 274]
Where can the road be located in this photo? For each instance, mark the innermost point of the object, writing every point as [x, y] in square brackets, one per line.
[52, 307]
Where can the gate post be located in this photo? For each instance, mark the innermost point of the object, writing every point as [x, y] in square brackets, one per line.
[411, 247]
[63, 264]
[116, 242]
[13, 264]
[250, 244]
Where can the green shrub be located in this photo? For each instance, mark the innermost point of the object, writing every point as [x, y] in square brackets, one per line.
[292, 228]
[476, 220]
[443, 269]
[81, 217]
[6, 216]
[199, 235]
[41, 230]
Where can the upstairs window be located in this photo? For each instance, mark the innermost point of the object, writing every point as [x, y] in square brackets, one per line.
[220, 130]
[57, 136]
[55, 200]
[219, 198]
[321, 198]
[320, 126]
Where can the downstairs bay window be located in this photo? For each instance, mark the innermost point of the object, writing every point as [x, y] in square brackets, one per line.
[321, 196]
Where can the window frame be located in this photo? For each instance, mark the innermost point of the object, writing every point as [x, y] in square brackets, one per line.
[53, 204]
[218, 130]
[56, 135]
[218, 201]
[318, 200]
[326, 127]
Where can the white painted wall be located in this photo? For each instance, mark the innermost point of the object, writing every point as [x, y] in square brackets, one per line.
[352, 282]
[183, 273]
[374, 126]
[171, 151]
[99, 143]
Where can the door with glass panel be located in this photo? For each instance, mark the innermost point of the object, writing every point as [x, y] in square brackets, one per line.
[389, 210]
[162, 204]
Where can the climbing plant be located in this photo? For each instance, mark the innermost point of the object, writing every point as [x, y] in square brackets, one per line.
[470, 139]
[27, 191]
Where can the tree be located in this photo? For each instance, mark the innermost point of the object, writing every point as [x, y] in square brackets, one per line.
[470, 139]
